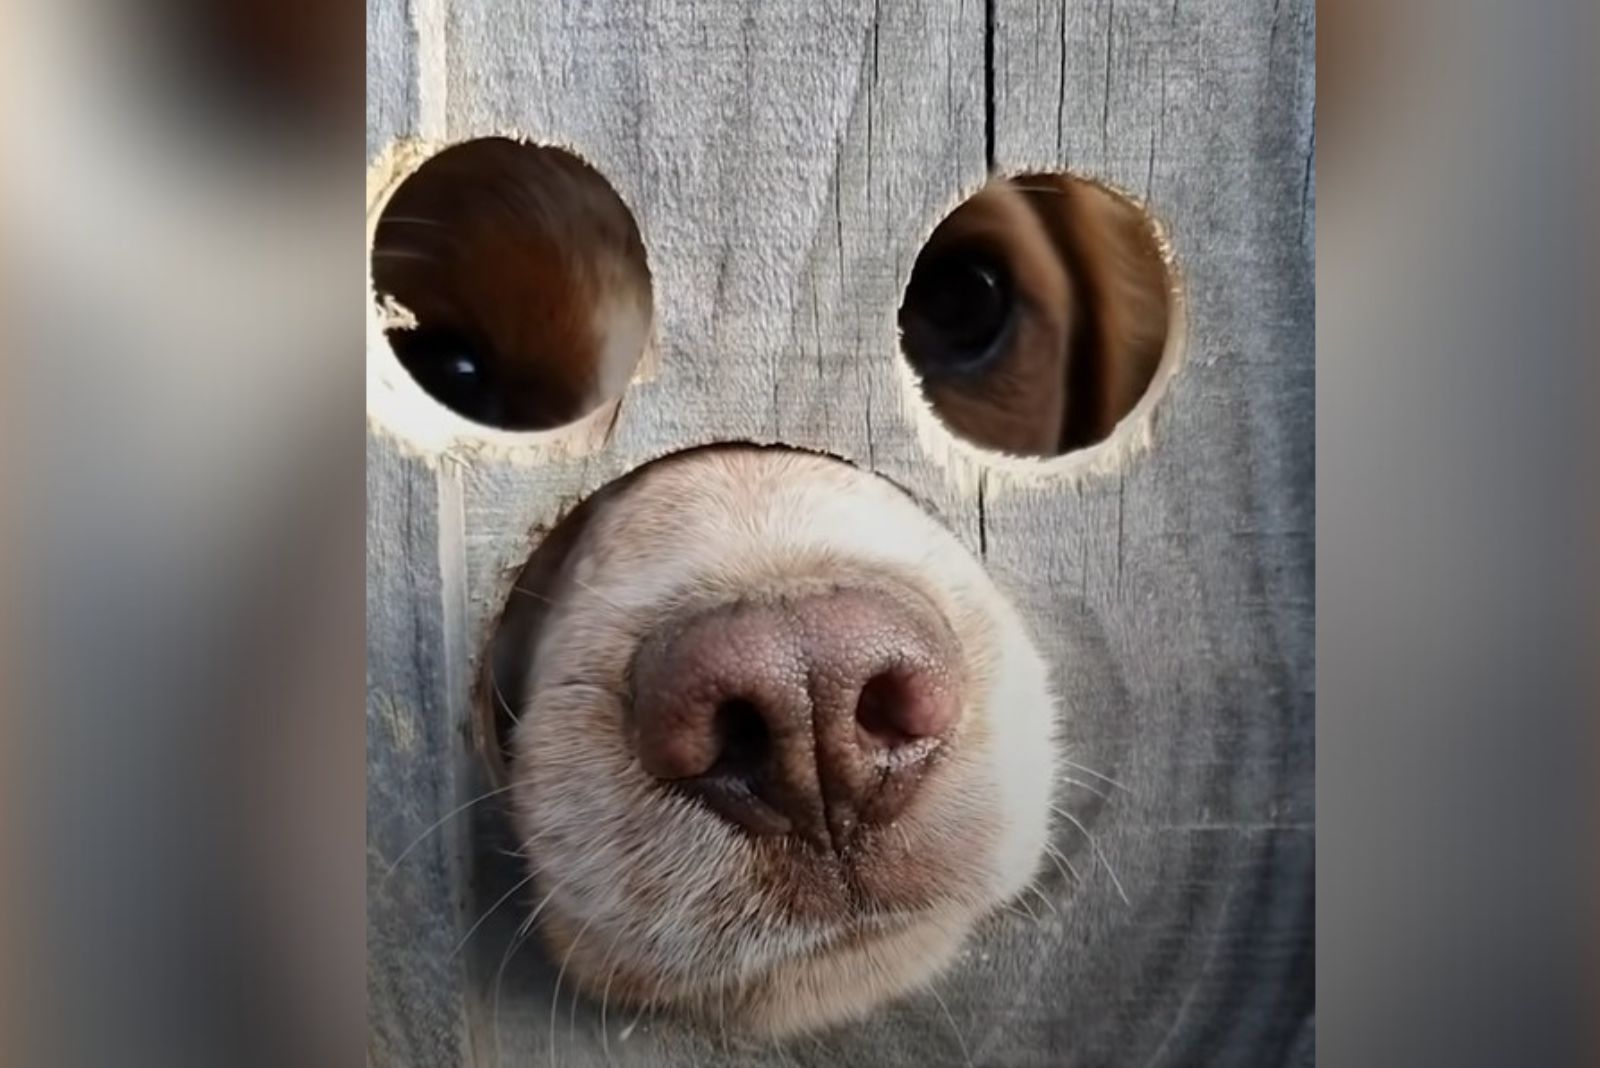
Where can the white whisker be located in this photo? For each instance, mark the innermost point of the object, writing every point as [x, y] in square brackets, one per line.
[494, 686]
[602, 598]
[1094, 845]
[442, 820]
[605, 995]
[572, 1009]
[492, 909]
[1018, 913]
[511, 948]
[1060, 859]
[524, 931]
[1099, 775]
[1083, 785]
[555, 996]
[581, 584]
[960, 1041]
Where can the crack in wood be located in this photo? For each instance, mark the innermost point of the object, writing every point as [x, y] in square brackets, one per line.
[872, 450]
[872, 92]
[1121, 528]
[983, 516]
[1105, 114]
[988, 85]
[1150, 170]
[1305, 183]
[1061, 86]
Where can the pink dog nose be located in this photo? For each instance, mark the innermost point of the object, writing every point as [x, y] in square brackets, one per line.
[807, 716]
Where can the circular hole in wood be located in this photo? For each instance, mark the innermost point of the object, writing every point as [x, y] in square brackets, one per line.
[522, 279]
[1037, 314]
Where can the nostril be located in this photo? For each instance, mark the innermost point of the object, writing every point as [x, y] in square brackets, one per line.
[894, 710]
[809, 716]
[743, 738]
[736, 783]
[897, 708]
[879, 710]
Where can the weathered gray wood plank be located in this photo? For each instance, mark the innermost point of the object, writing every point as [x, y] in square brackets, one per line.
[415, 885]
[391, 74]
[785, 161]
[1197, 557]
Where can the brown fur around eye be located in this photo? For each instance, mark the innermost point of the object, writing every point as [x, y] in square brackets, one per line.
[526, 276]
[1120, 284]
[1018, 403]
[1088, 316]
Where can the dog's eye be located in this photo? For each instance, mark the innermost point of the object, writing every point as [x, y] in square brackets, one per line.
[451, 367]
[957, 313]
[526, 277]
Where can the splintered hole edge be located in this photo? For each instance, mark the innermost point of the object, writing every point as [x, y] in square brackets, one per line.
[1041, 317]
[512, 284]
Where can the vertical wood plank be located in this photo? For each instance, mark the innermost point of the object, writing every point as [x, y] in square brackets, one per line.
[391, 74]
[415, 884]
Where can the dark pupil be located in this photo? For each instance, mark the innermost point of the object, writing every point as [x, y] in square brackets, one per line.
[450, 367]
[956, 311]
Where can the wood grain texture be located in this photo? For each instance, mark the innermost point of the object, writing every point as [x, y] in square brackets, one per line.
[415, 884]
[785, 160]
[391, 74]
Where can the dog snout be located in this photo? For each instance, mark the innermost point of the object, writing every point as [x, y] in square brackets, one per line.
[806, 716]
